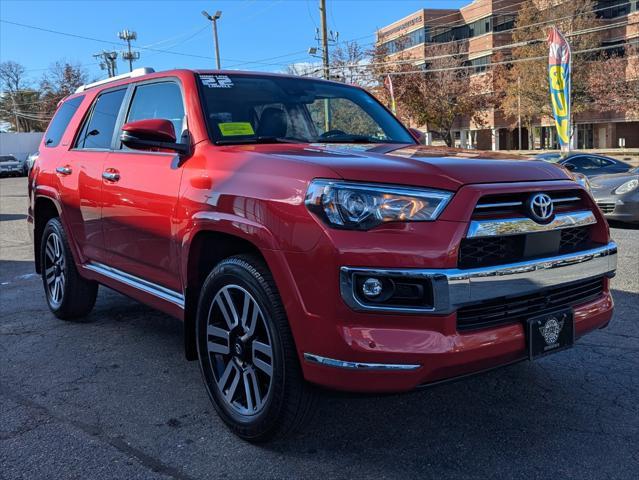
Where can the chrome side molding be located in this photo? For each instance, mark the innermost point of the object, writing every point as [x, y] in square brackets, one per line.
[138, 283]
[518, 226]
[454, 288]
[331, 362]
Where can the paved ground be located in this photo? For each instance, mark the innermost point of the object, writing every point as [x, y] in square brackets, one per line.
[115, 399]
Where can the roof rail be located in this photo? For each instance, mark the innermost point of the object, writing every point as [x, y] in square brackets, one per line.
[138, 72]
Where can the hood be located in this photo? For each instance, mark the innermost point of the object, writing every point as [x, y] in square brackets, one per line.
[606, 184]
[11, 163]
[433, 167]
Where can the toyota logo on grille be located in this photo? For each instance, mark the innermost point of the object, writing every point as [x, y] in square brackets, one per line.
[540, 207]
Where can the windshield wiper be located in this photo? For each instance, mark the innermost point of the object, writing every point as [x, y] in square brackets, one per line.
[262, 139]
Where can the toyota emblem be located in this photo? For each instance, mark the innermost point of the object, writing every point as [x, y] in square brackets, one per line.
[540, 207]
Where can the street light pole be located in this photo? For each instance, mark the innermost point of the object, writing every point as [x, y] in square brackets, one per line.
[213, 19]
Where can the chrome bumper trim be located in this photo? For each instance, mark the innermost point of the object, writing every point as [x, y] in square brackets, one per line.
[139, 283]
[330, 362]
[518, 226]
[454, 288]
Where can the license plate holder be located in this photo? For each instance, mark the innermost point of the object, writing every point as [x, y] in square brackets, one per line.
[550, 333]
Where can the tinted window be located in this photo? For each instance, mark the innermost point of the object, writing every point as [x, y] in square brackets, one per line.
[98, 131]
[158, 100]
[61, 120]
[584, 163]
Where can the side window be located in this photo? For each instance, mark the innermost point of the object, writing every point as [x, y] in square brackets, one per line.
[158, 100]
[97, 131]
[61, 120]
[583, 163]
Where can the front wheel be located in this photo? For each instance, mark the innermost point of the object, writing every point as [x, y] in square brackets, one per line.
[246, 352]
[69, 296]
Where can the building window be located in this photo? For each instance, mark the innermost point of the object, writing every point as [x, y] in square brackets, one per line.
[479, 64]
[405, 42]
[616, 8]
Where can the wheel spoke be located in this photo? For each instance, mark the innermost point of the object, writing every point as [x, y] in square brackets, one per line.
[252, 389]
[225, 302]
[49, 274]
[265, 351]
[245, 310]
[56, 246]
[220, 341]
[54, 290]
[61, 284]
[230, 392]
[50, 252]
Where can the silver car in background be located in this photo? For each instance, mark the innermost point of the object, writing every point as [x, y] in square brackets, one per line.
[617, 195]
[10, 166]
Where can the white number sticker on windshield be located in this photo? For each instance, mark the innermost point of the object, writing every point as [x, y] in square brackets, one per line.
[217, 81]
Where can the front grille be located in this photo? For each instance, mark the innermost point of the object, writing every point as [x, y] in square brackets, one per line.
[492, 251]
[501, 311]
[513, 204]
[606, 207]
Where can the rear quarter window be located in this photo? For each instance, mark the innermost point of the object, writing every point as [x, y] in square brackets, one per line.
[61, 120]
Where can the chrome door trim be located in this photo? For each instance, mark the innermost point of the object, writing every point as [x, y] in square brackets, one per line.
[138, 283]
[522, 225]
[331, 362]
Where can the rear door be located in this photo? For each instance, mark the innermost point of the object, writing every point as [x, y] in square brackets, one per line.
[140, 192]
[80, 172]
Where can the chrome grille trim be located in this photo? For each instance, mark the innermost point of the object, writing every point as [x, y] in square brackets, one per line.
[523, 225]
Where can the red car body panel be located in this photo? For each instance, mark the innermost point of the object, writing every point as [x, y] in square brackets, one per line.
[145, 224]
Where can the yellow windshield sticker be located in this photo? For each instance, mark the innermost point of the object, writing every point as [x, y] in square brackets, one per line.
[231, 129]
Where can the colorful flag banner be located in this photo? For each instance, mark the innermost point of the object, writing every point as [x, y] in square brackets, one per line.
[559, 66]
[388, 82]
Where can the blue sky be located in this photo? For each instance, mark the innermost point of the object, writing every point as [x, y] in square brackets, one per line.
[250, 31]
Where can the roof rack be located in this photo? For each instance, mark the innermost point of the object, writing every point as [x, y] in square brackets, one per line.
[138, 72]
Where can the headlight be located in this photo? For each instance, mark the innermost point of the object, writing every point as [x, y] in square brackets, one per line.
[582, 180]
[629, 186]
[359, 206]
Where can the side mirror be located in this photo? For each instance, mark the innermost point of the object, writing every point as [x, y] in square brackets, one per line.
[417, 135]
[570, 166]
[150, 134]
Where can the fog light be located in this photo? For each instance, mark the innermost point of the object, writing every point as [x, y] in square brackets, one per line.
[372, 287]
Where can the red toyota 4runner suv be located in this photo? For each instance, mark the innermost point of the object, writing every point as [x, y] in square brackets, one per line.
[304, 237]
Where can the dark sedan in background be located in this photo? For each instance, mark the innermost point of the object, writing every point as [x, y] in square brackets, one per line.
[587, 164]
[618, 195]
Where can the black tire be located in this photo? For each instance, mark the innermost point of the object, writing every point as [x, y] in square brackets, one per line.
[69, 296]
[286, 399]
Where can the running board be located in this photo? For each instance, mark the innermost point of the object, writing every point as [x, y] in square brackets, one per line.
[138, 283]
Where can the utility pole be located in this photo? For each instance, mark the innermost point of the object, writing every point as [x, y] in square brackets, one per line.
[519, 109]
[127, 36]
[213, 19]
[107, 61]
[324, 39]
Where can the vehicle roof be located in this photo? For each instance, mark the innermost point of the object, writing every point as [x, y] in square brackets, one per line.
[185, 71]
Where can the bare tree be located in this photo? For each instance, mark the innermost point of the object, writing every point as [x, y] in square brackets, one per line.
[61, 80]
[18, 101]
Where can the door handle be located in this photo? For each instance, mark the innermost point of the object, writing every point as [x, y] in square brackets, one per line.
[111, 176]
[66, 170]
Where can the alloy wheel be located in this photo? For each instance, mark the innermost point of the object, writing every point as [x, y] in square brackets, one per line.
[240, 350]
[54, 269]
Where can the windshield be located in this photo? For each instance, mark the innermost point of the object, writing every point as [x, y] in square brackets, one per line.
[243, 108]
[7, 158]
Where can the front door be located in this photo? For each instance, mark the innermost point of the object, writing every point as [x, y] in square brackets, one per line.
[140, 194]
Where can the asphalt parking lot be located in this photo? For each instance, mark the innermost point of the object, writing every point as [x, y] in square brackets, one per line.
[115, 399]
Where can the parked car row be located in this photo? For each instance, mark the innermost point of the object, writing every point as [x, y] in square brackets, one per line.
[613, 184]
[10, 166]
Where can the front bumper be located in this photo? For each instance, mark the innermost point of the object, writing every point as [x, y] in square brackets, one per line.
[383, 351]
[623, 208]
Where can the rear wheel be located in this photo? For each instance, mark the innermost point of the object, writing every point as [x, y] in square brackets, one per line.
[69, 296]
[246, 352]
